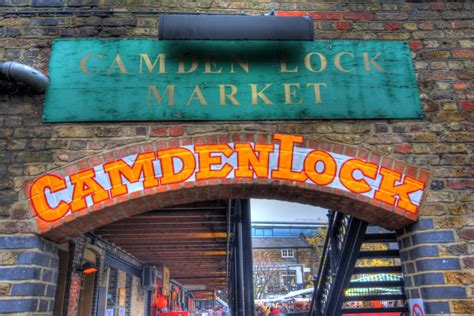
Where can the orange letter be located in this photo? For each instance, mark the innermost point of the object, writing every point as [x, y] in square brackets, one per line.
[167, 156]
[85, 185]
[40, 202]
[347, 178]
[246, 158]
[285, 159]
[388, 189]
[329, 171]
[117, 169]
[206, 161]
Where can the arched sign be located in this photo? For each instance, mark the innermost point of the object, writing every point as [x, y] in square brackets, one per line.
[59, 195]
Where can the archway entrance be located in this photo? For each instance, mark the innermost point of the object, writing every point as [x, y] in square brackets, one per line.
[114, 186]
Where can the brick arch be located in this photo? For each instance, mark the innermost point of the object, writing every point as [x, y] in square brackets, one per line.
[308, 181]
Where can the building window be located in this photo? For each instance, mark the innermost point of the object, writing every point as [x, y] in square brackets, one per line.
[287, 253]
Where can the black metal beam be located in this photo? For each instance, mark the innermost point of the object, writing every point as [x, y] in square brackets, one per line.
[379, 254]
[234, 27]
[374, 310]
[247, 256]
[352, 241]
[374, 270]
[387, 297]
[371, 284]
[382, 237]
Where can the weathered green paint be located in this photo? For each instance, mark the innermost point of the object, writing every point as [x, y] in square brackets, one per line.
[373, 80]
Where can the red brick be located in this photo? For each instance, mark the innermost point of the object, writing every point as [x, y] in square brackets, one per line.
[388, 163]
[95, 161]
[469, 262]
[42, 225]
[343, 25]
[212, 139]
[158, 132]
[186, 141]
[411, 171]
[442, 75]
[416, 44]
[461, 184]
[399, 166]
[438, 6]
[467, 105]
[350, 151]
[424, 176]
[359, 16]
[291, 13]
[173, 143]
[392, 26]
[326, 15]
[459, 85]
[83, 164]
[337, 148]
[176, 131]
[463, 53]
[121, 153]
[403, 148]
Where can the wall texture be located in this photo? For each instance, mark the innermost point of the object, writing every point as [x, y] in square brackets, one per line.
[437, 251]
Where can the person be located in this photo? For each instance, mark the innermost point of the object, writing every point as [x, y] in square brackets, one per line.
[265, 309]
[276, 311]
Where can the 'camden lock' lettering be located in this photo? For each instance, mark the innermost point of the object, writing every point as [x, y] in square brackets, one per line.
[293, 93]
[54, 197]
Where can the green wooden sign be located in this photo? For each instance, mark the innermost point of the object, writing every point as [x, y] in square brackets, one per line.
[147, 80]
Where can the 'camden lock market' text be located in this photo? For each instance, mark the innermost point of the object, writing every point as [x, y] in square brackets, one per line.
[55, 196]
[287, 93]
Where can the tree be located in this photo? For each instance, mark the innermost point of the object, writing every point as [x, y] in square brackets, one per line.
[265, 277]
[317, 242]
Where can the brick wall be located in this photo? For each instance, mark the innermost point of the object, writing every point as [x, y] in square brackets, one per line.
[438, 252]
[28, 273]
[304, 256]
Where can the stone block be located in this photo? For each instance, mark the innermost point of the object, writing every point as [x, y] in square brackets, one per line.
[20, 242]
[43, 307]
[19, 273]
[83, 3]
[423, 251]
[433, 237]
[28, 289]
[18, 305]
[33, 258]
[438, 264]
[51, 290]
[7, 257]
[5, 289]
[443, 292]
[437, 308]
[463, 307]
[47, 3]
[428, 279]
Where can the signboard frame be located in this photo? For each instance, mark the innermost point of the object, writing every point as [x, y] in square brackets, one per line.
[151, 80]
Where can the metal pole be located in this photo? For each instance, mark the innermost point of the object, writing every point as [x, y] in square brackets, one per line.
[241, 282]
[246, 233]
[235, 285]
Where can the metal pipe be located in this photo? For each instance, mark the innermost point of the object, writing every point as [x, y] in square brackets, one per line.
[16, 72]
[228, 211]
[247, 256]
[240, 263]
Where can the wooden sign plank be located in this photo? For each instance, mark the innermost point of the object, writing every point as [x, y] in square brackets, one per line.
[147, 80]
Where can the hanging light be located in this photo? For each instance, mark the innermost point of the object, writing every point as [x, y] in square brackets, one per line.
[89, 268]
